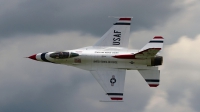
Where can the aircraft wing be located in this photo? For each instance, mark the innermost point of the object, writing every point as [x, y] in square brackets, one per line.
[152, 77]
[117, 35]
[112, 81]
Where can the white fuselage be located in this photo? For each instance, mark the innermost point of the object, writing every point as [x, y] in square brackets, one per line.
[93, 58]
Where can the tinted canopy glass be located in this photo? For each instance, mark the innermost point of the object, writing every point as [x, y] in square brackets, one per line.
[60, 55]
[63, 55]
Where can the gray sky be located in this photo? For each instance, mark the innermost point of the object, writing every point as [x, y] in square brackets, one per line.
[28, 27]
[86, 16]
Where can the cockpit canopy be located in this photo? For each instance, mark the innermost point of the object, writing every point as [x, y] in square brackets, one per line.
[63, 55]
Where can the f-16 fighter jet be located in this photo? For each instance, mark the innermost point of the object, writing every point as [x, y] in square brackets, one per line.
[109, 58]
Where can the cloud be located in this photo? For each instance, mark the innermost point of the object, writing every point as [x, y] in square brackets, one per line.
[39, 26]
[29, 85]
[179, 78]
[184, 23]
[159, 103]
[48, 16]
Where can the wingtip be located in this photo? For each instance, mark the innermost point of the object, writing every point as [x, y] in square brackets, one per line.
[116, 98]
[153, 85]
[158, 37]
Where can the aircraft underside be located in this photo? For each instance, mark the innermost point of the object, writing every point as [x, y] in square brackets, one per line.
[109, 58]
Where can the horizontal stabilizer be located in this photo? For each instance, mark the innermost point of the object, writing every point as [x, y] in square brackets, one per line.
[152, 77]
[145, 54]
[148, 53]
[156, 42]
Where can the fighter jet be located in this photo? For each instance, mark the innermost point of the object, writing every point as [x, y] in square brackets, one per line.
[109, 58]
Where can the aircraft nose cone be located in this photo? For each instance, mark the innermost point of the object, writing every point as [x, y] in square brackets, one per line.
[33, 57]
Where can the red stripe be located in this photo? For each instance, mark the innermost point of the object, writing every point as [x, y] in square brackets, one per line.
[158, 37]
[153, 85]
[125, 19]
[125, 56]
[115, 98]
[130, 56]
[141, 52]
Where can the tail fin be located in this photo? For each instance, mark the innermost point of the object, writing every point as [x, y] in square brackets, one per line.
[148, 51]
[156, 42]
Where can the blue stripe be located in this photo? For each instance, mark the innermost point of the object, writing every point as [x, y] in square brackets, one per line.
[156, 41]
[122, 24]
[43, 57]
[117, 94]
[152, 80]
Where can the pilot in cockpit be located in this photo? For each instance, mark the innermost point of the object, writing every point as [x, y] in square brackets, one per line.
[63, 55]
